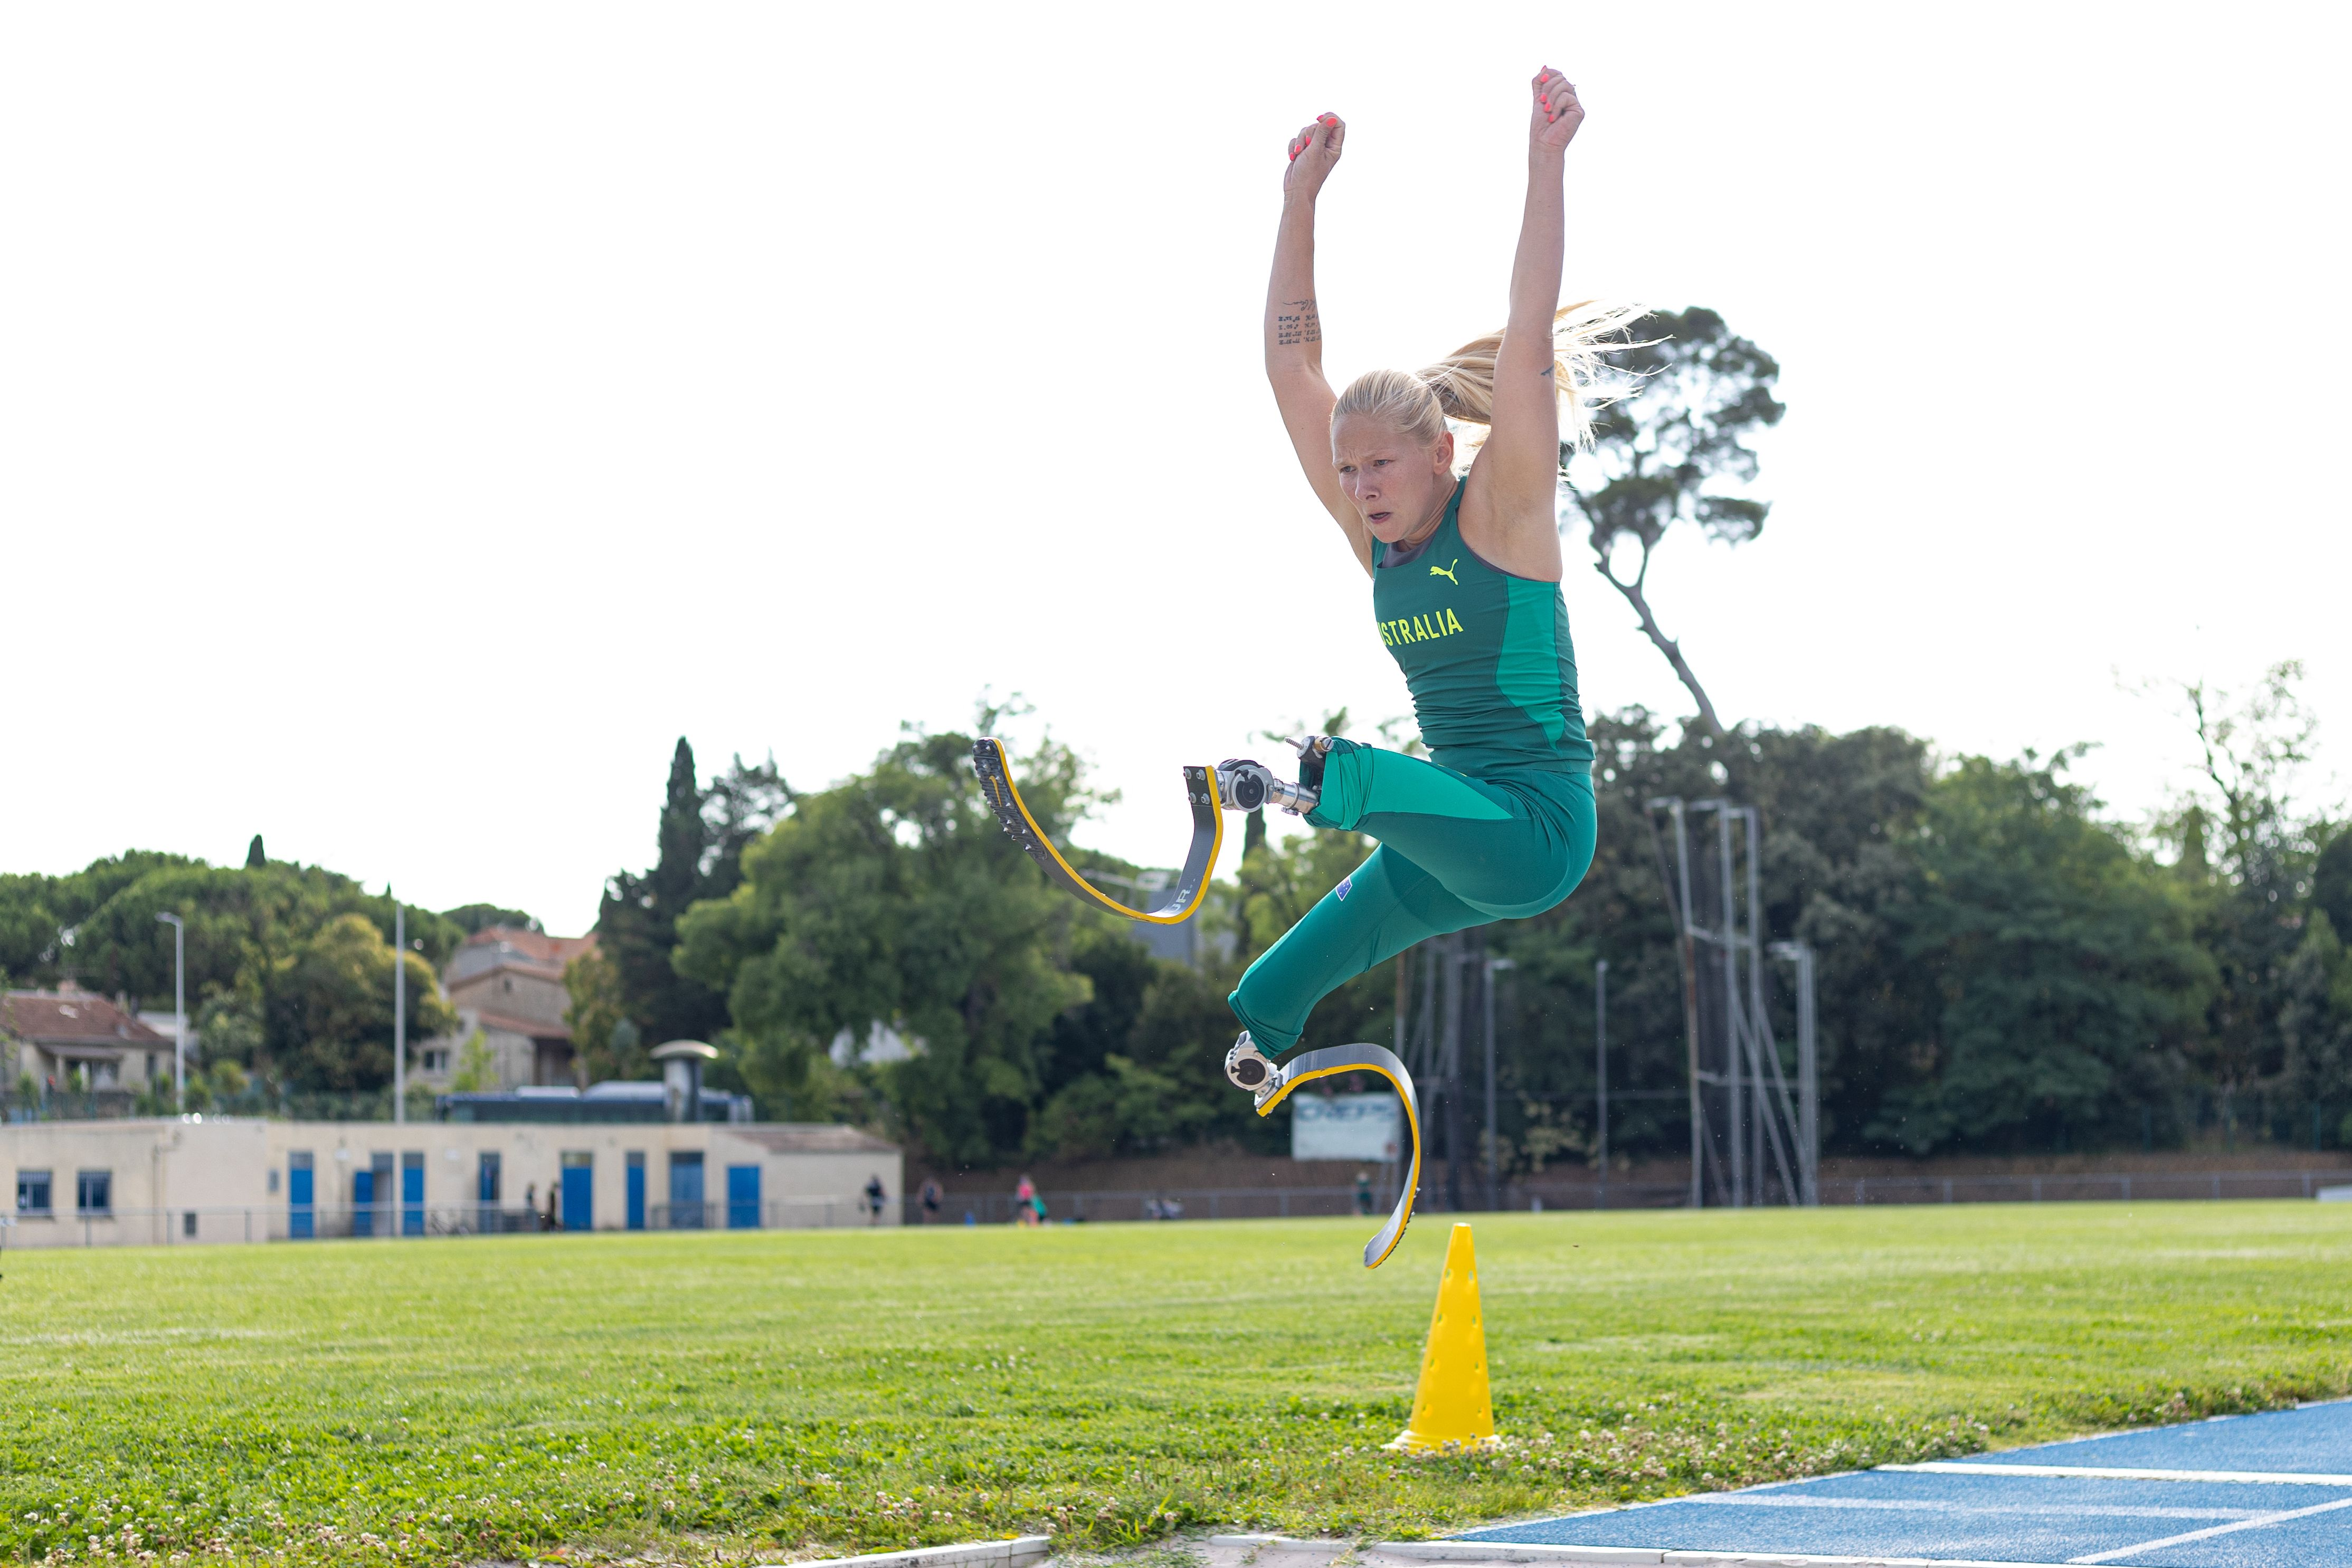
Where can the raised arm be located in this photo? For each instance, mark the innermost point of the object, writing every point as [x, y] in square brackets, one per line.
[1294, 331]
[1507, 510]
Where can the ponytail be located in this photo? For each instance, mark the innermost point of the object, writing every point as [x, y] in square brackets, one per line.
[1460, 386]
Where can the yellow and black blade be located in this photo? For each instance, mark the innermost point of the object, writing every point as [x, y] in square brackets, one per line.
[1177, 903]
[1333, 1059]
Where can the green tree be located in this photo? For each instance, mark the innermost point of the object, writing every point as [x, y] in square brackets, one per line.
[2250, 858]
[476, 1068]
[895, 898]
[2331, 879]
[608, 1042]
[256, 857]
[472, 918]
[700, 841]
[2066, 976]
[1698, 393]
[2316, 1024]
[328, 1017]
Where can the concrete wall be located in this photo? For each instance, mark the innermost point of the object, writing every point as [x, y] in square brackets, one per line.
[227, 1180]
[513, 1057]
[129, 1072]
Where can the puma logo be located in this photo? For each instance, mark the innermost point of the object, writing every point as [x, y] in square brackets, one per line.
[1447, 572]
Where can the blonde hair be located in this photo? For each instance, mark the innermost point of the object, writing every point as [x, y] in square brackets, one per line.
[1460, 386]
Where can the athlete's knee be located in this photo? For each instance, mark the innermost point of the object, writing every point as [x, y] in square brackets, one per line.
[1258, 1006]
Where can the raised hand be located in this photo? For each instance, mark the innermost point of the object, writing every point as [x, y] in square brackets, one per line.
[1314, 153]
[1557, 112]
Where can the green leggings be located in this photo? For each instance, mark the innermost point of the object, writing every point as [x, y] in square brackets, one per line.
[1455, 851]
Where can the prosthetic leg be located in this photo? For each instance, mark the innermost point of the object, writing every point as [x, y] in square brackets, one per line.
[1201, 792]
[1250, 1069]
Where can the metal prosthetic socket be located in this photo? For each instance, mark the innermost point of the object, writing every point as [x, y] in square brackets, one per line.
[1245, 785]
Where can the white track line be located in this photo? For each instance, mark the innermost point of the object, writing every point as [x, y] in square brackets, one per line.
[1956, 1505]
[2266, 1477]
[2263, 1522]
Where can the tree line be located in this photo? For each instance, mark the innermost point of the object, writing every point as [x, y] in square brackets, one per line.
[2003, 966]
[289, 967]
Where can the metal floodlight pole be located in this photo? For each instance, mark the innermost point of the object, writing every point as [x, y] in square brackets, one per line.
[1601, 1063]
[1759, 1035]
[399, 1012]
[1686, 950]
[1449, 1072]
[1809, 1083]
[1494, 1142]
[179, 1009]
[1739, 1130]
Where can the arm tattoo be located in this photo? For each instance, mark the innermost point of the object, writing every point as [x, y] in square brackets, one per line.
[1295, 323]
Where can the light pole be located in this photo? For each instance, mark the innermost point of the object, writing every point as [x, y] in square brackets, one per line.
[1494, 1183]
[1809, 1072]
[179, 1009]
[1601, 1063]
[399, 1012]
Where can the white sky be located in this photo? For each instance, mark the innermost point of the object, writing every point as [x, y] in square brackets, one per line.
[413, 418]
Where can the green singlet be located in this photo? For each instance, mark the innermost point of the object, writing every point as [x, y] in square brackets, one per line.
[1486, 655]
[1499, 824]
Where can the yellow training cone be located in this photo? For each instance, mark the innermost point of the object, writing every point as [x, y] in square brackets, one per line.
[1452, 1405]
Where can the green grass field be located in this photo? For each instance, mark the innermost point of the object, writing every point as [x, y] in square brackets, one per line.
[725, 1395]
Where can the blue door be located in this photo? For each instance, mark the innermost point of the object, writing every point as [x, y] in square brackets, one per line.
[412, 1193]
[363, 1203]
[742, 1197]
[636, 1191]
[487, 1174]
[301, 1218]
[579, 1191]
[686, 1192]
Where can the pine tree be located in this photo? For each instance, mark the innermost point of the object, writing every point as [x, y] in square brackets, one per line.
[698, 845]
[254, 857]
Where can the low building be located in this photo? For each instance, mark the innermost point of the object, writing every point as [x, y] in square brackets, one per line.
[70, 1040]
[194, 1179]
[508, 984]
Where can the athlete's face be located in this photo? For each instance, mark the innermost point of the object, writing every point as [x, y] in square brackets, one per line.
[1399, 485]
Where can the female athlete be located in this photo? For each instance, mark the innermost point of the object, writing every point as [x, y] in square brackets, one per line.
[1466, 589]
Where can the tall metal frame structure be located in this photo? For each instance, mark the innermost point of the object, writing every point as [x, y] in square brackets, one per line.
[1752, 1142]
[1454, 976]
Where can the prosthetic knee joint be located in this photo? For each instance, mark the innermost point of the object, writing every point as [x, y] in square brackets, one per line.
[1244, 785]
[1250, 1068]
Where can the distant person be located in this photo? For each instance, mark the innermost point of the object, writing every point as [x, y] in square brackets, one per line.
[1025, 1201]
[1037, 1202]
[1150, 1209]
[1363, 1192]
[874, 1198]
[1171, 1208]
[931, 1196]
[530, 1202]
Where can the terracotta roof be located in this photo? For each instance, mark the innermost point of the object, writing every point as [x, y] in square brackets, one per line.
[532, 947]
[809, 1138]
[510, 1023]
[80, 1017]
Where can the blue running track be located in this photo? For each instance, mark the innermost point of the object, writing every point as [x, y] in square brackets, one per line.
[2242, 1491]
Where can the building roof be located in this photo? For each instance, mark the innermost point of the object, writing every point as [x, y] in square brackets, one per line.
[72, 1017]
[810, 1139]
[495, 948]
[513, 1023]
